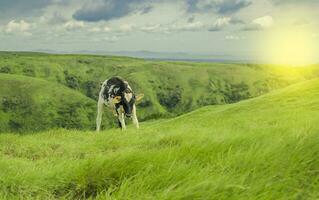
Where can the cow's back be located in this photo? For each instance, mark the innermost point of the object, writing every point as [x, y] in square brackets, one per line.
[114, 87]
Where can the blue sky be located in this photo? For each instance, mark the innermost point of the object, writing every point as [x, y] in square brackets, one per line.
[219, 27]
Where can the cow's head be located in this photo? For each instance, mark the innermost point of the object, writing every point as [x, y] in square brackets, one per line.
[128, 103]
[128, 99]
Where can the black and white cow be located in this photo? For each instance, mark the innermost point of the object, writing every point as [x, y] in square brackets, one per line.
[119, 97]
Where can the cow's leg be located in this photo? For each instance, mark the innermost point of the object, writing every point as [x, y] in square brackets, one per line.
[121, 119]
[99, 114]
[120, 125]
[134, 117]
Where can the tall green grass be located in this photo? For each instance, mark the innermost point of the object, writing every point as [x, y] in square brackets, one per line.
[263, 148]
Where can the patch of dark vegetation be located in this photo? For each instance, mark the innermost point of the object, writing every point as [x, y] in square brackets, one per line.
[73, 115]
[89, 71]
[261, 86]
[221, 92]
[82, 61]
[145, 103]
[21, 108]
[188, 104]
[205, 101]
[58, 79]
[236, 92]
[71, 80]
[171, 97]
[26, 114]
[11, 103]
[29, 71]
[91, 88]
[15, 125]
[6, 70]
[267, 85]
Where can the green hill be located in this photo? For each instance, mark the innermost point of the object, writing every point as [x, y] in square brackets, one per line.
[263, 148]
[30, 104]
[170, 88]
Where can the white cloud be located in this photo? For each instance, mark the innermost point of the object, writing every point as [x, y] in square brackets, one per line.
[73, 25]
[259, 24]
[264, 22]
[172, 28]
[126, 28]
[193, 26]
[17, 26]
[219, 24]
[95, 29]
[115, 29]
[107, 29]
[151, 28]
[222, 21]
[99, 29]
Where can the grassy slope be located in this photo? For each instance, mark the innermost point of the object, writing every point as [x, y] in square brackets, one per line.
[170, 87]
[35, 104]
[263, 148]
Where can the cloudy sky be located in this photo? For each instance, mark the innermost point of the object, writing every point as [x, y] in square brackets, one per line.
[219, 27]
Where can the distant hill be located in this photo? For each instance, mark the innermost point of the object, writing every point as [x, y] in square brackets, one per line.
[182, 56]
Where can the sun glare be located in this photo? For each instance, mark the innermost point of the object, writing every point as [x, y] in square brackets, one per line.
[293, 47]
[290, 47]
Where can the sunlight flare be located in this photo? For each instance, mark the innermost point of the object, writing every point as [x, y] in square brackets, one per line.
[291, 42]
[294, 47]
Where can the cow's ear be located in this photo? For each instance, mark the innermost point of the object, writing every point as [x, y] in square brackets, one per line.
[139, 97]
[117, 99]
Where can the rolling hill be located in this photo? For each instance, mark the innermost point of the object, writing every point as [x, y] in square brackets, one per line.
[31, 104]
[262, 148]
[170, 88]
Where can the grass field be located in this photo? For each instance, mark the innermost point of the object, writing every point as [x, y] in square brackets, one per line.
[203, 100]
[262, 148]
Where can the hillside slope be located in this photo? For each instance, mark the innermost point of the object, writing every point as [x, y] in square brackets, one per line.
[263, 148]
[170, 88]
[30, 104]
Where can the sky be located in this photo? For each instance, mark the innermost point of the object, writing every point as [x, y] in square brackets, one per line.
[238, 28]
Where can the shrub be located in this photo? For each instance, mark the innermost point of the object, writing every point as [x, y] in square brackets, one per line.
[236, 92]
[81, 61]
[5, 69]
[72, 81]
[25, 113]
[29, 72]
[11, 103]
[171, 97]
[14, 125]
[145, 103]
[91, 89]
[72, 116]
